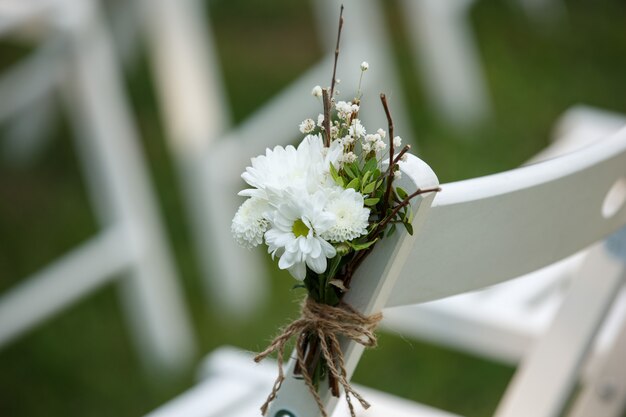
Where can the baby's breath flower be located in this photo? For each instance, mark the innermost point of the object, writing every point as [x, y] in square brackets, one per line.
[316, 91]
[334, 131]
[364, 66]
[371, 139]
[307, 126]
[344, 109]
[397, 141]
[379, 145]
[382, 133]
[404, 157]
[367, 147]
[347, 140]
[347, 158]
[356, 129]
[320, 119]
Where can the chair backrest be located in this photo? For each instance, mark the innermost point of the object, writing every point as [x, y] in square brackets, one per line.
[483, 231]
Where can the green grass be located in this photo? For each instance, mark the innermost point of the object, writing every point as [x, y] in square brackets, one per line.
[82, 363]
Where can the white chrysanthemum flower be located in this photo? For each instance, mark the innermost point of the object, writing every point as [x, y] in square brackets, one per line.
[364, 66]
[397, 141]
[250, 223]
[357, 129]
[316, 91]
[351, 216]
[295, 233]
[305, 168]
[307, 126]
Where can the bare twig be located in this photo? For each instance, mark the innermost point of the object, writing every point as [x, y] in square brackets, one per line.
[401, 154]
[332, 84]
[405, 202]
[383, 99]
[326, 99]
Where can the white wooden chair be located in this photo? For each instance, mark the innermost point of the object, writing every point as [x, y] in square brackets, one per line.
[503, 322]
[211, 155]
[474, 234]
[81, 65]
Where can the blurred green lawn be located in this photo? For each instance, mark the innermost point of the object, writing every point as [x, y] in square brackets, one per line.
[82, 363]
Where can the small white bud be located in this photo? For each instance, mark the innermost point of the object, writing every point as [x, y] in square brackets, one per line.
[364, 66]
[397, 142]
[316, 91]
[404, 157]
[307, 126]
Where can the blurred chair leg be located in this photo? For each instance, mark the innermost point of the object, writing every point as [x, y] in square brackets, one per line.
[444, 45]
[117, 171]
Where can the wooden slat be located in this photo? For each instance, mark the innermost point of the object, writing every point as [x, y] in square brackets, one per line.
[491, 229]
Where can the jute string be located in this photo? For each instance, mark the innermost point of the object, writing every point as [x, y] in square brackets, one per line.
[327, 323]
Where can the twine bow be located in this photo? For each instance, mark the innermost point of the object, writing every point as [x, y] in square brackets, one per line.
[327, 323]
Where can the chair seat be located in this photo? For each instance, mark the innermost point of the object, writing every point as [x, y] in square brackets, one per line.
[232, 385]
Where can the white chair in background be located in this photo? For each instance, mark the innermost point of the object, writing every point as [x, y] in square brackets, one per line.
[474, 234]
[210, 154]
[503, 322]
[80, 63]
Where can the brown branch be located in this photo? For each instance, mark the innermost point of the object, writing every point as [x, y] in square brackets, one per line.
[383, 99]
[326, 123]
[401, 154]
[332, 84]
[383, 224]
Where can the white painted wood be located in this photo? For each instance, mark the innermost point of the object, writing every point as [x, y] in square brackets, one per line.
[502, 321]
[605, 394]
[109, 146]
[443, 43]
[84, 66]
[546, 377]
[370, 289]
[563, 195]
[233, 387]
[62, 283]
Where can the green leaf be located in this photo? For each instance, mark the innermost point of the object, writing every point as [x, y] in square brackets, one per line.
[371, 165]
[376, 174]
[391, 230]
[340, 182]
[409, 227]
[369, 188]
[361, 246]
[333, 172]
[366, 177]
[401, 193]
[371, 201]
[349, 171]
[355, 183]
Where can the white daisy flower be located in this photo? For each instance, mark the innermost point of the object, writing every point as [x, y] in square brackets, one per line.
[351, 216]
[295, 233]
[250, 223]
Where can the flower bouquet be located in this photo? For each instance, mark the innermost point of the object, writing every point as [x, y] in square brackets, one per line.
[320, 208]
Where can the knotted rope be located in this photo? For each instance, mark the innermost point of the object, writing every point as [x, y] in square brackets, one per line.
[327, 323]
